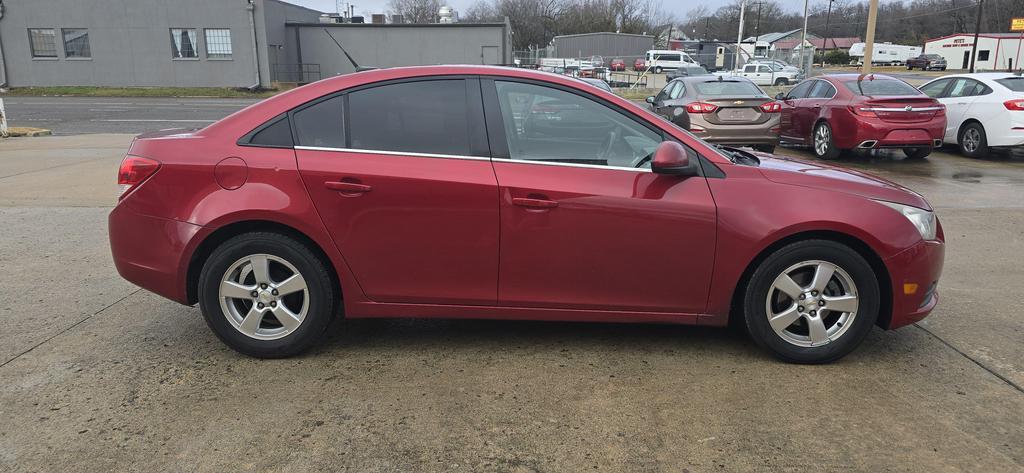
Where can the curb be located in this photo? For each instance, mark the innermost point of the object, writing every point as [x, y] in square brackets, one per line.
[18, 131]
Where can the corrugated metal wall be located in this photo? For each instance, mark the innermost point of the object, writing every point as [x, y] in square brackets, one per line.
[607, 45]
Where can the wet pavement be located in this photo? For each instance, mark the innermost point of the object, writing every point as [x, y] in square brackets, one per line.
[97, 375]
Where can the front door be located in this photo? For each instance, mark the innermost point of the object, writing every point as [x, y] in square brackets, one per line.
[584, 222]
[789, 120]
[408, 195]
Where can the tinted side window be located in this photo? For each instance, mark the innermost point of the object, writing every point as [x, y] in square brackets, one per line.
[934, 89]
[417, 117]
[321, 124]
[801, 90]
[277, 135]
[822, 90]
[552, 125]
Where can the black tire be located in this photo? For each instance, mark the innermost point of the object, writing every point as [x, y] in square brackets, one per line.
[967, 146]
[765, 148]
[781, 81]
[830, 152]
[909, 67]
[757, 293]
[323, 295]
[917, 153]
[942, 68]
[657, 70]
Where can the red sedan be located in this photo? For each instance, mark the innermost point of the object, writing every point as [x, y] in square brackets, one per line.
[617, 65]
[840, 112]
[488, 192]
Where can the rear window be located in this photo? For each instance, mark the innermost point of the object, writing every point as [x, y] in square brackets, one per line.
[1015, 84]
[881, 87]
[721, 88]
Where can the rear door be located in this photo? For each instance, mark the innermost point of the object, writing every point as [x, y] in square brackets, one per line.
[959, 99]
[585, 224]
[399, 174]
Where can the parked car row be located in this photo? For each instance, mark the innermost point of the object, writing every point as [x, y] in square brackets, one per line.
[835, 113]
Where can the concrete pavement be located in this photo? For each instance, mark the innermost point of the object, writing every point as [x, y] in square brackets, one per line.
[97, 375]
[76, 115]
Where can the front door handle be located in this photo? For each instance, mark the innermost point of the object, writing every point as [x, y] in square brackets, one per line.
[534, 203]
[348, 187]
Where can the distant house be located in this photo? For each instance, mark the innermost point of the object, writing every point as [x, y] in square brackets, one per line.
[784, 41]
[832, 44]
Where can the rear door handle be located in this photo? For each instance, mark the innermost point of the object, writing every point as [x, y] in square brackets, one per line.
[534, 203]
[348, 187]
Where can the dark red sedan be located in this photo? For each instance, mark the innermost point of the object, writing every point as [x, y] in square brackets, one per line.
[488, 192]
[617, 65]
[841, 112]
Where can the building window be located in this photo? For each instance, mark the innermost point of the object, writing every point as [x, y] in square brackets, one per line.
[183, 43]
[43, 42]
[218, 43]
[76, 42]
[983, 55]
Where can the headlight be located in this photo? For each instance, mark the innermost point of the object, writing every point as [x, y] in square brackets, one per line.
[922, 219]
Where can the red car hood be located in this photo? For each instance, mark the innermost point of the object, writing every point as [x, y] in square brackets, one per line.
[785, 170]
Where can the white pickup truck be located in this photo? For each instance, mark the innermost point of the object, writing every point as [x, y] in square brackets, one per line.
[765, 74]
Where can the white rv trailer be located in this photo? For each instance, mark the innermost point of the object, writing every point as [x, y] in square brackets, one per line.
[885, 53]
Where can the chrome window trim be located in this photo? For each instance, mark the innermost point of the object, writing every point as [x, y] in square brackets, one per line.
[471, 158]
[393, 153]
[573, 165]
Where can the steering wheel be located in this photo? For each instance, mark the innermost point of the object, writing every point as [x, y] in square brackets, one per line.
[608, 143]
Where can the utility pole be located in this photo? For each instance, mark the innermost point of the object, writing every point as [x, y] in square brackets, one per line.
[805, 65]
[739, 37]
[757, 25]
[824, 44]
[977, 27]
[869, 40]
[707, 26]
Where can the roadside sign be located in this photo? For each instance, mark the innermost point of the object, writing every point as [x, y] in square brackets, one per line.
[1017, 24]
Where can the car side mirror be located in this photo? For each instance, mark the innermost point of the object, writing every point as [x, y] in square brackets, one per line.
[781, 96]
[650, 99]
[671, 158]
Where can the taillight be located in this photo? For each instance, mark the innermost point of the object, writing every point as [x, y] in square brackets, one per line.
[941, 112]
[1016, 104]
[862, 111]
[771, 107]
[701, 107]
[134, 170]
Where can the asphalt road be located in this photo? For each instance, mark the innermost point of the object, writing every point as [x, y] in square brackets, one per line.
[77, 115]
[97, 375]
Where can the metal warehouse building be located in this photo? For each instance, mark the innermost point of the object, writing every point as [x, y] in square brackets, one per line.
[214, 43]
[606, 45]
[323, 46]
[996, 51]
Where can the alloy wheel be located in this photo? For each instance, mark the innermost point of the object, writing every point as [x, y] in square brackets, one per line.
[822, 138]
[264, 297]
[812, 303]
[971, 140]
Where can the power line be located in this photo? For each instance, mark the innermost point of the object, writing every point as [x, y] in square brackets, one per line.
[881, 20]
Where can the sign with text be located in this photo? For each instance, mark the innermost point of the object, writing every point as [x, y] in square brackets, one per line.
[1017, 24]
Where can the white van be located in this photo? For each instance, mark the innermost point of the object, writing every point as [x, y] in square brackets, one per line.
[659, 60]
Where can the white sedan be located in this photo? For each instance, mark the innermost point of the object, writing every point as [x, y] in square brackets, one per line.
[983, 110]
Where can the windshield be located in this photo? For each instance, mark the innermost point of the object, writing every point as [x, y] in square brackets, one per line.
[716, 88]
[881, 87]
[1015, 84]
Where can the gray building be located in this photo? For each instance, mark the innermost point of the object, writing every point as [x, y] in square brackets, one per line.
[323, 46]
[182, 43]
[606, 45]
[216, 43]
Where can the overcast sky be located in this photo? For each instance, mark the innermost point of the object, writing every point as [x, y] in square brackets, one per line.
[677, 7]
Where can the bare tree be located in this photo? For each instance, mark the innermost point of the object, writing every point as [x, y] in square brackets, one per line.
[416, 11]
